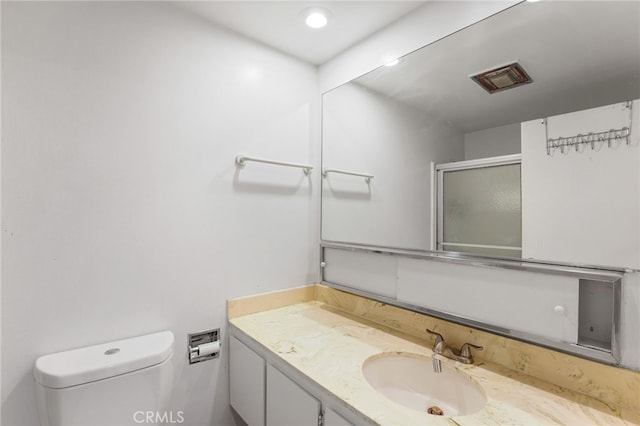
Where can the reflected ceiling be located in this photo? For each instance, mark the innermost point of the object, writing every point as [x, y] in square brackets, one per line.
[576, 60]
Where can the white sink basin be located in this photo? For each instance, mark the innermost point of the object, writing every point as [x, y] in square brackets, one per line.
[409, 380]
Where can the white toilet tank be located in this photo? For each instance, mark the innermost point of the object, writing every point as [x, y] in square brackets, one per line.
[121, 383]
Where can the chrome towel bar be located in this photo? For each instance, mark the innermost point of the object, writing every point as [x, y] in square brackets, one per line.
[367, 177]
[242, 159]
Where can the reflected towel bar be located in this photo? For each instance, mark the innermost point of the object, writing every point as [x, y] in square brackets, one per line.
[367, 177]
[242, 159]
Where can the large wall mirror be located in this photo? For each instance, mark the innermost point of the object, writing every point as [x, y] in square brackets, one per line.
[422, 155]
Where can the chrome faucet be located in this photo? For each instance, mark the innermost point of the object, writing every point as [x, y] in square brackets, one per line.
[441, 347]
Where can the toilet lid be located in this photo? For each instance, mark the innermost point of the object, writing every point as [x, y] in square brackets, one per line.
[88, 364]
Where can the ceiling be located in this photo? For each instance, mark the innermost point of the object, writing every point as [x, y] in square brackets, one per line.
[279, 24]
[579, 54]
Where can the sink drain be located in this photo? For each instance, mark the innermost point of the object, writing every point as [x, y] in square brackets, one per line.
[435, 410]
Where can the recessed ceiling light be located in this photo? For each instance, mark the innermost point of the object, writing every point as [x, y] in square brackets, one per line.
[316, 20]
[316, 17]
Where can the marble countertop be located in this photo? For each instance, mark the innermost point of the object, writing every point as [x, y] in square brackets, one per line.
[330, 346]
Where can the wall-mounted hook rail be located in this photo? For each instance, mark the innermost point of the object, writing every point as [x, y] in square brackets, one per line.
[242, 159]
[367, 177]
[591, 139]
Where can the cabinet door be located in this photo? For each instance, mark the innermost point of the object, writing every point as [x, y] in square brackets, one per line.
[331, 418]
[246, 383]
[287, 403]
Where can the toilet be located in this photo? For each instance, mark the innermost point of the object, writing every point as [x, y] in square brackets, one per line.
[127, 382]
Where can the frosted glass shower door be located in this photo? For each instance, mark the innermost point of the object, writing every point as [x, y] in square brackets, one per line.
[480, 209]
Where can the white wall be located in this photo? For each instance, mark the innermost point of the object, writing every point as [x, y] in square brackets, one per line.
[426, 24]
[123, 212]
[582, 207]
[493, 142]
[367, 132]
[629, 319]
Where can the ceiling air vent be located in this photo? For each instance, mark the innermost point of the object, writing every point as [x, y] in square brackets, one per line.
[502, 78]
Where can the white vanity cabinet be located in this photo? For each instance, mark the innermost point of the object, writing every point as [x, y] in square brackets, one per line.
[265, 391]
[331, 418]
[287, 403]
[247, 384]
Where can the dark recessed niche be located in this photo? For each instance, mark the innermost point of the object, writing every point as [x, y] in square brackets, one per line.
[597, 314]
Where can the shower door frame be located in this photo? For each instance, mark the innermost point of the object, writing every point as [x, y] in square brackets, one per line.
[438, 209]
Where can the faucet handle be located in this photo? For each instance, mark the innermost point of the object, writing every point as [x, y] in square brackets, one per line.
[465, 350]
[439, 337]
